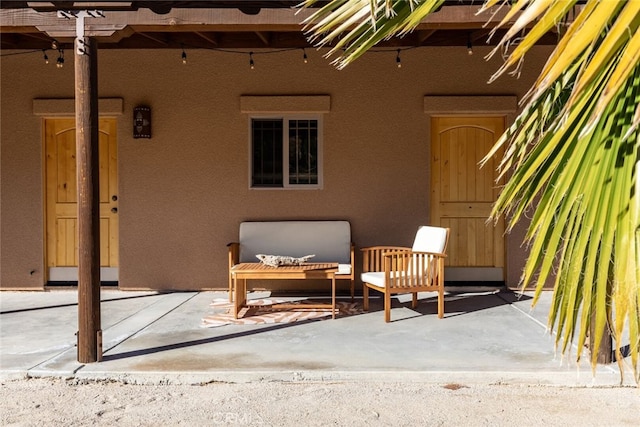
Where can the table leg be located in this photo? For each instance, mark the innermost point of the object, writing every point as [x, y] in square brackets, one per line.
[333, 296]
[240, 295]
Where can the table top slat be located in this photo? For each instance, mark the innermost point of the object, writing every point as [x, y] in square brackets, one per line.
[259, 267]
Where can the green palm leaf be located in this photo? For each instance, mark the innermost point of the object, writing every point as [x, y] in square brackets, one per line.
[572, 155]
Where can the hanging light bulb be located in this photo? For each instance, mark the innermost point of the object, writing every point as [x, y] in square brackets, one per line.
[45, 57]
[184, 56]
[251, 63]
[60, 61]
[398, 60]
[305, 59]
[469, 45]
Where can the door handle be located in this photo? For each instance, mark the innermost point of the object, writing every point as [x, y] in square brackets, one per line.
[114, 197]
[114, 210]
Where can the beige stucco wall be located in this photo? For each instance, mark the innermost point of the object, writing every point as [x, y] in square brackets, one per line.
[183, 192]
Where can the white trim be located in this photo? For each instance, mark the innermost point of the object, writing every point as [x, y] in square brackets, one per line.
[285, 104]
[285, 150]
[70, 274]
[66, 107]
[462, 105]
[474, 274]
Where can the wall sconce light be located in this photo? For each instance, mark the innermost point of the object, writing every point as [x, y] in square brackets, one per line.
[142, 122]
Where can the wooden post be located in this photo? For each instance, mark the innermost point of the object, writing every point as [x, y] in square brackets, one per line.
[605, 350]
[87, 149]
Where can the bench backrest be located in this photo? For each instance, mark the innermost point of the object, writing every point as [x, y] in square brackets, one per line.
[330, 241]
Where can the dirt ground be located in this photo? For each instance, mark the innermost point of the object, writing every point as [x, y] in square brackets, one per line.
[57, 402]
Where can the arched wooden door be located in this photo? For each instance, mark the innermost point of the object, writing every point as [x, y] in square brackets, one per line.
[61, 200]
[462, 195]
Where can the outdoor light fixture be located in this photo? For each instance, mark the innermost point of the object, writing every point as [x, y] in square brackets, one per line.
[469, 45]
[45, 57]
[184, 56]
[142, 122]
[60, 61]
[251, 63]
[305, 59]
[398, 61]
[54, 44]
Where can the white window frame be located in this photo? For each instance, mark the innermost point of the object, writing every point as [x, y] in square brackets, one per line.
[285, 151]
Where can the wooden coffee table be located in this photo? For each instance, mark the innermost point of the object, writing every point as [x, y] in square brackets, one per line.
[258, 271]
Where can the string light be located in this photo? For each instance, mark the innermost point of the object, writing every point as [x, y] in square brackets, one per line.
[469, 45]
[183, 47]
[45, 57]
[60, 61]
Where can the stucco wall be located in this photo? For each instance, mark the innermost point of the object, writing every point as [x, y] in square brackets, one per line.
[183, 192]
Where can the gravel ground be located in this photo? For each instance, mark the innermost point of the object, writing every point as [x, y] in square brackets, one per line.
[57, 402]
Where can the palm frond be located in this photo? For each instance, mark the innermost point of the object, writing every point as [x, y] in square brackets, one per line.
[584, 185]
[572, 155]
[351, 27]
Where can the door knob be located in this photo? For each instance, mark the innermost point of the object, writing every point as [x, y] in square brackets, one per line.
[114, 197]
[114, 210]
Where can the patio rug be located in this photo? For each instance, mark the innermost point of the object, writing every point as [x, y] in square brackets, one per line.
[264, 313]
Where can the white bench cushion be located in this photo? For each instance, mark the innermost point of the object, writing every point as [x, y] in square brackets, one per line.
[344, 269]
[329, 241]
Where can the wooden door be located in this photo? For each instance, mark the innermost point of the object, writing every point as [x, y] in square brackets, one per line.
[462, 195]
[61, 199]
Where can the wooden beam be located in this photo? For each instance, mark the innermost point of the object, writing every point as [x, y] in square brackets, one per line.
[211, 40]
[424, 35]
[87, 149]
[264, 37]
[482, 35]
[604, 352]
[155, 39]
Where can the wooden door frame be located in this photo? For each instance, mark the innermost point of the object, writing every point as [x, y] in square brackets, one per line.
[64, 108]
[466, 106]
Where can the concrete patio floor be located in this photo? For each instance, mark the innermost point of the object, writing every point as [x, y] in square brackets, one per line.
[487, 336]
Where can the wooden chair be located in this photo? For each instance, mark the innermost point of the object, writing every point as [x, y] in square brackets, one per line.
[401, 270]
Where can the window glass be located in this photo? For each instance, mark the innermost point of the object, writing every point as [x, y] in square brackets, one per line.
[267, 147]
[285, 153]
[303, 152]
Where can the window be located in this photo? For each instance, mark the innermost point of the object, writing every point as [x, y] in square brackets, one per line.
[286, 152]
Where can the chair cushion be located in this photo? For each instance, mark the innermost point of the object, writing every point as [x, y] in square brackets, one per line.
[430, 239]
[375, 278]
[344, 269]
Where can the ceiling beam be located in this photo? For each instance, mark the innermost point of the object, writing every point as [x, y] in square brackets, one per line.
[213, 40]
[264, 37]
[423, 35]
[155, 39]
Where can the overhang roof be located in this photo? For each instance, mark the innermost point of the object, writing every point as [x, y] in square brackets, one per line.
[215, 24]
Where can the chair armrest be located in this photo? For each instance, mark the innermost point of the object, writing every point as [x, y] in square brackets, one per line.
[372, 256]
[353, 261]
[410, 252]
[234, 254]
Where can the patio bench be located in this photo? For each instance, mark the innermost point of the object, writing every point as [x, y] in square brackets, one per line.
[329, 241]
